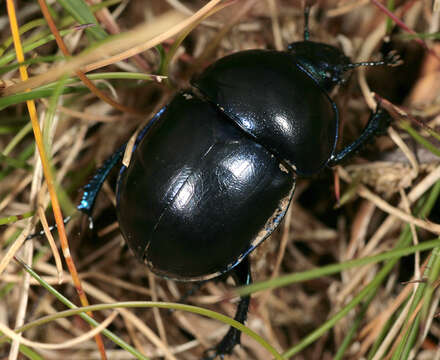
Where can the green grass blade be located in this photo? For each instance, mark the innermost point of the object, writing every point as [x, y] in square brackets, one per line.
[81, 12]
[336, 268]
[135, 304]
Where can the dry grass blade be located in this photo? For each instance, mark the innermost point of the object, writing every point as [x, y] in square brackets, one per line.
[380, 203]
[79, 73]
[125, 45]
[49, 236]
[153, 33]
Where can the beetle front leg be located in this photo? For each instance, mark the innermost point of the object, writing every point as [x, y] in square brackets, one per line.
[92, 188]
[242, 276]
[377, 125]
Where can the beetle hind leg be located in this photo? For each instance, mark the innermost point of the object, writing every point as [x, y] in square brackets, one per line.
[242, 276]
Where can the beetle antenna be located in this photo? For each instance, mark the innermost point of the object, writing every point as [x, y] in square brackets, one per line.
[306, 22]
[392, 59]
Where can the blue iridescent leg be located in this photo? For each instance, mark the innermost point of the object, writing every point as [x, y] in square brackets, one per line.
[91, 190]
[242, 276]
[377, 125]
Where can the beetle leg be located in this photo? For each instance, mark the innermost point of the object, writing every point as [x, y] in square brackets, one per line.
[242, 276]
[194, 288]
[306, 21]
[391, 59]
[51, 228]
[91, 190]
[377, 125]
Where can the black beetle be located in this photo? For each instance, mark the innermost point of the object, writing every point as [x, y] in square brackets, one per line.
[212, 175]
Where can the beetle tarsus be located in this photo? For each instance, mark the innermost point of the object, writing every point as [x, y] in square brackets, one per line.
[242, 276]
[51, 228]
[393, 58]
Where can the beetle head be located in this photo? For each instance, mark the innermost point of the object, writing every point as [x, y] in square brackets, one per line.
[324, 63]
